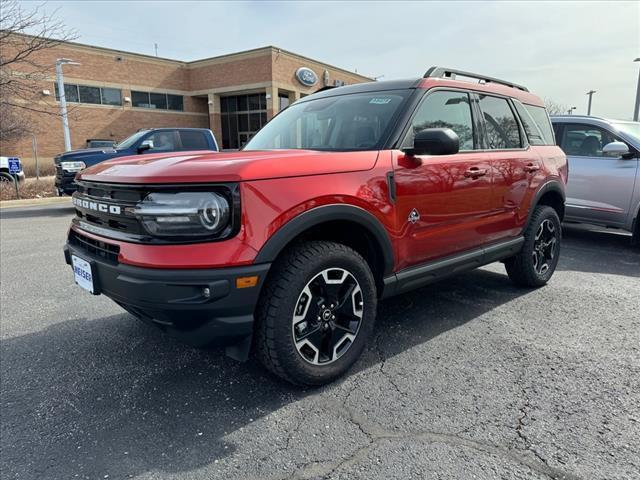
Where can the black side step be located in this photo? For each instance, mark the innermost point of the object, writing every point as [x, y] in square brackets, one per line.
[421, 275]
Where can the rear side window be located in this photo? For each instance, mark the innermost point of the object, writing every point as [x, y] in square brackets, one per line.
[501, 125]
[534, 134]
[540, 116]
[193, 140]
[442, 109]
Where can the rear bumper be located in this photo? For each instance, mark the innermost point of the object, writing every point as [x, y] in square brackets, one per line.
[175, 300]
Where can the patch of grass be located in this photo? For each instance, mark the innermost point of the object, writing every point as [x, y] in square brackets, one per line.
[30, 188]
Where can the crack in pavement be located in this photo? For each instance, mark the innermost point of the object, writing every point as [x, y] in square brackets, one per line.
[383, 360]
[376, 433]
[524, 411]
[285, 447]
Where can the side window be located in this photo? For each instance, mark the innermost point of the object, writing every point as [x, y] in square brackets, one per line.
[444, 109]
[531, 128]
[193, 140]
[163, 141]
[500, 123]
[585, 140]
[541, 117]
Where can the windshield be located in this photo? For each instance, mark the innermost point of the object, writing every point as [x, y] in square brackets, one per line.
[342, 123]
[129, 141]
[630, 128]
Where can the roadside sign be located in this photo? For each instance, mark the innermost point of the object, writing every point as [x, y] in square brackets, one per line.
[14, 165]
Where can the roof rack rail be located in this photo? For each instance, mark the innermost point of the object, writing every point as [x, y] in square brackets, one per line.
[442, 72]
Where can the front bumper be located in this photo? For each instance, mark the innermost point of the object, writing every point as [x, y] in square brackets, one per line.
[175, 301]
[65, 182]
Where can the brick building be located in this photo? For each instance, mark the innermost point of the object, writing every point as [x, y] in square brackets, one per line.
[112, 93]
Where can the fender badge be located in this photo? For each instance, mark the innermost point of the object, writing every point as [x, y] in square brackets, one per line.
[414, 216]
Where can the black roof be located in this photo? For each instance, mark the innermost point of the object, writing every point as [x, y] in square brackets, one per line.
[365, 87]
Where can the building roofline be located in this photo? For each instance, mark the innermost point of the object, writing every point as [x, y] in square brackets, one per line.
[106, 49]
[268, 48]
[276, 49]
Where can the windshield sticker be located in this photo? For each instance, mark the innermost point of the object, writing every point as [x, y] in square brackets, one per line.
[380, 101]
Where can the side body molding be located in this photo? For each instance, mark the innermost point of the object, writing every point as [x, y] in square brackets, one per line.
[278, 241]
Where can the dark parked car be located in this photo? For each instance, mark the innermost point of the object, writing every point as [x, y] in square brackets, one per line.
[155, 140]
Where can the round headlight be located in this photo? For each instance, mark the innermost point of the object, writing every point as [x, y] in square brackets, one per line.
[184, 214]
[214, 212]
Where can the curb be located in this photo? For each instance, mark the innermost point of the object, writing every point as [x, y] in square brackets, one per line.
[34, 202]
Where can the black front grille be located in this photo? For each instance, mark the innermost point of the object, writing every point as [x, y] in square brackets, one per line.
[94, 204]
[107, 209]
[96, 248]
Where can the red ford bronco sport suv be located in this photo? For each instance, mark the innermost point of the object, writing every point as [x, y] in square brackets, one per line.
[350, 195]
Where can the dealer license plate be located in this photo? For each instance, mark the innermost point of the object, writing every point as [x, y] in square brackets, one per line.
[82, 273]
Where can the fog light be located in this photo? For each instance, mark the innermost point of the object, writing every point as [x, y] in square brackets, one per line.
[206, 292]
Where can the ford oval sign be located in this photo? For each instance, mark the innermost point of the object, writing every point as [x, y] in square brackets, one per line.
[306, 76]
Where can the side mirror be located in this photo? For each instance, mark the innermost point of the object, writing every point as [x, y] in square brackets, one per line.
[615, 149]
[145, 145]
[434, 141]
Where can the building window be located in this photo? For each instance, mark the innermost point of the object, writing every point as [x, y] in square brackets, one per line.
[87, 94]
[111, 96]
[175, 102]
[159, 101]
[283, 99]
[242, 116]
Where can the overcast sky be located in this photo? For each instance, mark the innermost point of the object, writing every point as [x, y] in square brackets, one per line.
[560, 50]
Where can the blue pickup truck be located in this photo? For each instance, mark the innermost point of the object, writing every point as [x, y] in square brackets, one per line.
[155, 140]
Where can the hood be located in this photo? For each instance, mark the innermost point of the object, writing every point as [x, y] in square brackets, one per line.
[76, 155]
[208, 167]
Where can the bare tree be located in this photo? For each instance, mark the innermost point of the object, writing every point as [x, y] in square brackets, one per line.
[554, 108]
[23, 35]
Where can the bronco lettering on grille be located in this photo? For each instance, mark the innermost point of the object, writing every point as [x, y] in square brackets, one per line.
[98, 207]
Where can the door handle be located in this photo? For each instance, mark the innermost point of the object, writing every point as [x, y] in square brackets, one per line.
[475, 172]
[531, 167]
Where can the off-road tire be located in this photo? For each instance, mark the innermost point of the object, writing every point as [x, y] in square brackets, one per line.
[274, 342]
[521, 267]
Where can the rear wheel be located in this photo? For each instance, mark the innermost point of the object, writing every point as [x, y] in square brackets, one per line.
[316, 313]
[534, 265]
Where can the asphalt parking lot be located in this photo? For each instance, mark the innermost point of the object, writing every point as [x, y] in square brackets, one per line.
[469, 378]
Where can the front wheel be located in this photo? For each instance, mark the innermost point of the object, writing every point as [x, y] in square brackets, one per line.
[316, 313]
[534, 265]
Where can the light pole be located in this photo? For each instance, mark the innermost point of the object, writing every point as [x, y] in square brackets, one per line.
[570, 111]
[636, 110]
[63, 100]
[590, 93]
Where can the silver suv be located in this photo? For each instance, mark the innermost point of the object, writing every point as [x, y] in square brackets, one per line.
[604, 171]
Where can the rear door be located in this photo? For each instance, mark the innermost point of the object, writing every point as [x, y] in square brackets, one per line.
[515, 165]
[600, 186]
[443, 202]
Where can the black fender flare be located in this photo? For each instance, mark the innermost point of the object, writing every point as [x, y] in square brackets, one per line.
[294, 227]
[550, 186]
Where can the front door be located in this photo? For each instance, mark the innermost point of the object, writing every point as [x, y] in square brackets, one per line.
[443, 202]
[600, 187]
